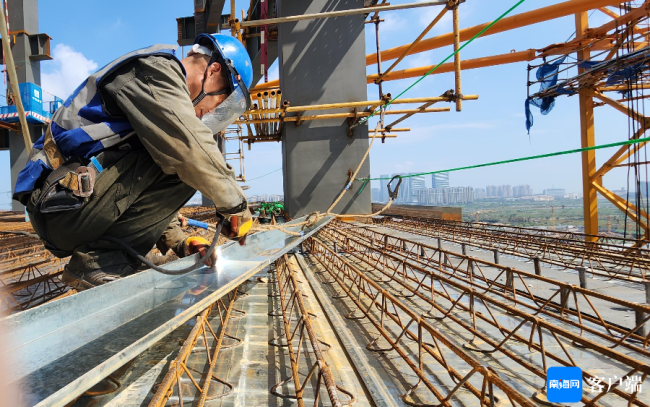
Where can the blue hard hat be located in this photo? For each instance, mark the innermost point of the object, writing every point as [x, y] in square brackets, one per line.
[230, 49]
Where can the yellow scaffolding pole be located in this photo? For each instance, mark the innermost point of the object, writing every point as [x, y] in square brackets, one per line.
[587, 139]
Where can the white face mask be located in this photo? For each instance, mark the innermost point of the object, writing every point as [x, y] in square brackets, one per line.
[226, 113]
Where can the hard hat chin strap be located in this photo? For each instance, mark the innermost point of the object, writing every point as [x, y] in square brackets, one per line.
[202, 94]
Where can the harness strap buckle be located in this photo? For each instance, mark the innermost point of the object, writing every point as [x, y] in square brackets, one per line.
[81, 182]
[85, 182]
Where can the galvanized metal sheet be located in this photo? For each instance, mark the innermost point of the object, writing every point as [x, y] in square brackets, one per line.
[60, 349]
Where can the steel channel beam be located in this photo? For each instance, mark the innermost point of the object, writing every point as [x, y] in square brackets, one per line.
[423, 292]
[59, 350]
[379, 298]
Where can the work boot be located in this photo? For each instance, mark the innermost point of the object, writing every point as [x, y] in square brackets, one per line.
[83, 280]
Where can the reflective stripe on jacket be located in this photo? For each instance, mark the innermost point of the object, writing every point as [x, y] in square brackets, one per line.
[82, 127]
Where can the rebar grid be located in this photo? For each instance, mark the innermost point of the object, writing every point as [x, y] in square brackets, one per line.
[516, 289]
[403, 274]
[610, 261]
[293, 308]
[179, 367]
[28, 273]
[396, 323]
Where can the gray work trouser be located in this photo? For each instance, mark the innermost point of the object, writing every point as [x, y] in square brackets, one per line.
[133, 200]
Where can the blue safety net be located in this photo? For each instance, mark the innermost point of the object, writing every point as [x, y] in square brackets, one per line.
[547, 75]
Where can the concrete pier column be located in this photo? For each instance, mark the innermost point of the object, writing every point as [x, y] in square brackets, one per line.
[323, 61]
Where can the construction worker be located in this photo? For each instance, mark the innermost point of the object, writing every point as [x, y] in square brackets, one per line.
[129, 148]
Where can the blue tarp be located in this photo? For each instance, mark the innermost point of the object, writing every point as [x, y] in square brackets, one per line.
[547, 74]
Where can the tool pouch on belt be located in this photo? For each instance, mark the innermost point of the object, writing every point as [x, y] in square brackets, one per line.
[66, 188]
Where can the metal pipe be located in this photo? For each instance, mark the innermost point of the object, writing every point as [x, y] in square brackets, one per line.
[13, 80]
[273, 107]
[344, 105]
[435, 21]
[509, 23]
[457, 68]
[345, 115]
[340, 13]
[381, 92]
[278, 104]
[267, 125]
[483, 62]
[260, 115]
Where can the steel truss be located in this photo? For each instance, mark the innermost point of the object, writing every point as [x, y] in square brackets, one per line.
[293, 308]
[463, 291]
[608, 260]
[28, 273]
[185, 364]
[398, 324]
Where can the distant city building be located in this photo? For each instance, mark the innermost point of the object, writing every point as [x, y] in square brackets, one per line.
[375, 195]
[446, 196]
[558, 192]
[623, 192]
[522, 190]
[409, 189]
[418, 184]
[440, 180]
[383, 190]
[539, 198]
[266, 198]
[502, 191]
[573, 195]
[479, 193]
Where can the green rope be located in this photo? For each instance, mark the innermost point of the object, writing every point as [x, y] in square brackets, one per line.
[534, 157]
[362, 187]
[443, 61]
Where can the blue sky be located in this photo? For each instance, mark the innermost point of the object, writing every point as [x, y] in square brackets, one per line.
[88, 34]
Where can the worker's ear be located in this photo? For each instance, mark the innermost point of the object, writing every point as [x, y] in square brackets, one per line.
[215, 69]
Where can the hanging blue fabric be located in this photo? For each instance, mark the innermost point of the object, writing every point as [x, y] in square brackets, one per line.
[547, 75]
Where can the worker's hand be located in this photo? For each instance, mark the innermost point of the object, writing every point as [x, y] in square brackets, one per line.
[197, 244]
[237, 227]
[182, 219]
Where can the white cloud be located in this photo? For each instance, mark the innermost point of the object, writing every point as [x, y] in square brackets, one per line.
[68, 69]
[419, 60]
[392, 23]
[427, 15]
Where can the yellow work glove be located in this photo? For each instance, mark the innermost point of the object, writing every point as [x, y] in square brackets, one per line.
[237, 227]
[197, 244]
